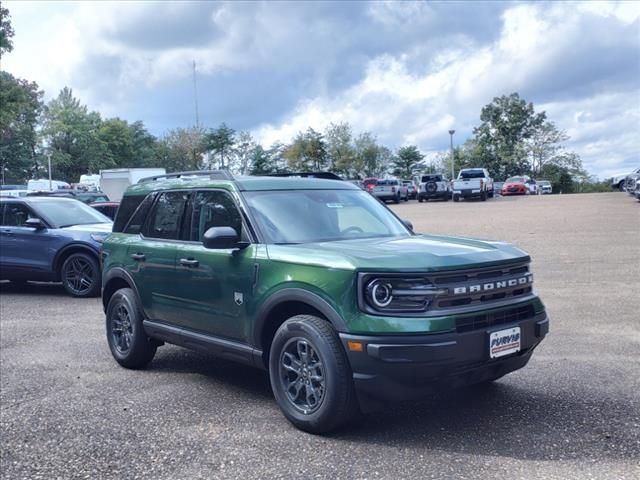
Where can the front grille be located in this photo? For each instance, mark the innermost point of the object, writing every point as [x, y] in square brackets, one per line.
[486, 320]
[462, 288]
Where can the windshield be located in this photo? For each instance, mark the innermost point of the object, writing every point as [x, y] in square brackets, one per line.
[68, 213]
[472, 174]
[307, 216]
[516, 180]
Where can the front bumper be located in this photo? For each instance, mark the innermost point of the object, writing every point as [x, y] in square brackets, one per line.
[400, 367]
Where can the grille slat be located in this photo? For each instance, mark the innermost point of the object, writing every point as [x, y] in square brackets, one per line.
[478, 322]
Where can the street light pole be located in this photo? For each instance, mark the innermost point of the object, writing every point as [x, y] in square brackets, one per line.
[451, 132]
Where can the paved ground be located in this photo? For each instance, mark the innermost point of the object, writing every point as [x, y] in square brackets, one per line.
[68, 411]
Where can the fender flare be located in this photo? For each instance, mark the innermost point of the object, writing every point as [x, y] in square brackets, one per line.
[294, 295]
[85, 247]
[121, 274]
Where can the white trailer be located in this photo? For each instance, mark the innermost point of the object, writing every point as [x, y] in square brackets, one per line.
[115, 181]
[44, 184]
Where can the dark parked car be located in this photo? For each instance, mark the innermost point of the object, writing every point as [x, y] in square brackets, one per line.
[108, 209]
[84, 197]
[52, 239]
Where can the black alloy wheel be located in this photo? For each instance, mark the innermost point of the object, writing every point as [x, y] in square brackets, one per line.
[302, 375]
[128, 342]
[80, 275]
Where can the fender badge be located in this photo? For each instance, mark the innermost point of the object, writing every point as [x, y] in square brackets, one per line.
[238, 298]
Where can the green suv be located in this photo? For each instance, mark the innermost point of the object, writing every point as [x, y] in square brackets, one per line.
[317, 282]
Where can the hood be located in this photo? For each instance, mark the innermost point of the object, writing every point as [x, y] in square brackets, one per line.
[91, 227]
[414, 253]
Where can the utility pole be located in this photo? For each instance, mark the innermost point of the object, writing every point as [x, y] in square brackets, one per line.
[195, 94]
[453, 174]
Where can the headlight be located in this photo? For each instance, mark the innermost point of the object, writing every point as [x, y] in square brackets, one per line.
[394, 294]
[99, 237]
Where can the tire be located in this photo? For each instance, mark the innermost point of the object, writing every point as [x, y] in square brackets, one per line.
[621, 186]
[456, 197]
[420, 199]
[483, 196]
[491, 194]
[396, 199]
[302, 342]
[445, 198]
[128, 342]
[80, 275]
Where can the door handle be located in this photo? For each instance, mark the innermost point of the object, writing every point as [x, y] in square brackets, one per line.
[189, 262]
[138, 257]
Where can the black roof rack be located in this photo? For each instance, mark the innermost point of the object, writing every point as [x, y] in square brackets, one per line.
[213, 174]
[324, 175]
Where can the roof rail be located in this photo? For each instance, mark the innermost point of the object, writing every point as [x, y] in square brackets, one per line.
[324, 175]
[213, 174]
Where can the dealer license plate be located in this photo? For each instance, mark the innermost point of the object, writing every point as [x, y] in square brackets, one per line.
[504, 342]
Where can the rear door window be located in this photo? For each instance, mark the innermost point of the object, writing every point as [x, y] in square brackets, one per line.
[166, 218]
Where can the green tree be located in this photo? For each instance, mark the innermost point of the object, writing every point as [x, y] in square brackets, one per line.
[544, 145]
[144, 145]
[182, 149]
[20, 107]
[243, 153]
[6, 32]
[261, 162]
[220, 143]
[307, 152]
[506, 123]
[370, 159]
[407, 161]
[340, 150]
[71, 135]
[118, 142]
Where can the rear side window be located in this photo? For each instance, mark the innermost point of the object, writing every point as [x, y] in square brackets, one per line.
[128, 205]
[213, 209]
[15, 215]
[140, 215]
[166, 219]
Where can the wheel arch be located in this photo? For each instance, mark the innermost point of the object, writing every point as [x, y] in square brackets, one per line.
[113, 281]
[283, 305]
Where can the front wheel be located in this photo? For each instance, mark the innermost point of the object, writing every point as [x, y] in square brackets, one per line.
[128, 342]
[483, 196]
[80, 275]
[310, 375]
[456, 197]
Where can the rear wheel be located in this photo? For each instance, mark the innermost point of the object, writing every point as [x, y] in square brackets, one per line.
[456, 197]
[310, 375]
[483, 196]
[128, 342]
[80, 275]
[420, 199]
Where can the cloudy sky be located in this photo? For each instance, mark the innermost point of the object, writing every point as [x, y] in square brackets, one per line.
[407, 72]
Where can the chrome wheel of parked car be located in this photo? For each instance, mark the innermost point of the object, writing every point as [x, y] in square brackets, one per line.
[80, 275]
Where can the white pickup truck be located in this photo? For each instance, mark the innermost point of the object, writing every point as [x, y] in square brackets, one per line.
[473, 183]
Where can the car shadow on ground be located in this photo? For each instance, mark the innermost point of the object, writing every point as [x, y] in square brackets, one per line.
[247, 380]
[500, 419]
[33, 288]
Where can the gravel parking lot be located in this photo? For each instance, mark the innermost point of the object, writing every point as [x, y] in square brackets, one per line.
[68, 410]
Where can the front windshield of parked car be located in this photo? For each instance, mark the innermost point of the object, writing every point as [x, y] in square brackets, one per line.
[67, 213]
[307, 216]
[516, 180]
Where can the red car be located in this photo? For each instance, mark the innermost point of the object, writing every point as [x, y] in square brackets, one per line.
[515, 186]
[106, 208]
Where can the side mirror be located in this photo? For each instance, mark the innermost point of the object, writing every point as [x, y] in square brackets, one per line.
[34, 223]
[408, 224]
[218, 238]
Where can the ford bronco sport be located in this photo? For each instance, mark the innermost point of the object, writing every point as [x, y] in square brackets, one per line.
[318, 283]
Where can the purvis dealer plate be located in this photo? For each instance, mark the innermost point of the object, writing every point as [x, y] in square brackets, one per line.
[504, 342]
